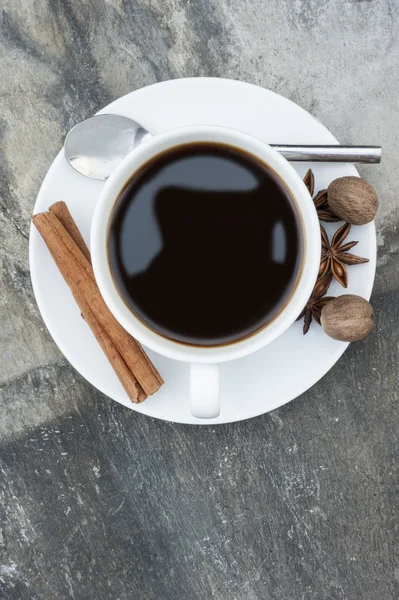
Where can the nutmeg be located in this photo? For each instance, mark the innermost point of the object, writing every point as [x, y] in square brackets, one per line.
[353, 199]
[347, 318]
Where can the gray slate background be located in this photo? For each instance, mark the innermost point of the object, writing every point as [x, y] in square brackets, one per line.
[98, 502]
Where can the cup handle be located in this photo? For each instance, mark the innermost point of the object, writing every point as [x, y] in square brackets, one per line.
[204, 390]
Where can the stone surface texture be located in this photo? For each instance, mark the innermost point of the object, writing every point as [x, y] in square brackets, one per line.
[98, 502]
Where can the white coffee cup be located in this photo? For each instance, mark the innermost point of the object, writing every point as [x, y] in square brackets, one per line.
[204, 385]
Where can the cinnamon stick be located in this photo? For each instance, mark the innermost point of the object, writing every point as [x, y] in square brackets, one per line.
[134, 369]
[62, 213]
[126, 377]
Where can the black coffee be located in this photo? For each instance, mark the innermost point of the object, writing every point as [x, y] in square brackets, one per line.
[205, 244]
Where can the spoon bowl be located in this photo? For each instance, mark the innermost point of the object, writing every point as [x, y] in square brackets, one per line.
[97, 146]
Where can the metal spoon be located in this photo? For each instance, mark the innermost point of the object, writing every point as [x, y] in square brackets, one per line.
[97, 146]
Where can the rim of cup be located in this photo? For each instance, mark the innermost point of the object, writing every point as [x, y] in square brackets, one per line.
[311, 240]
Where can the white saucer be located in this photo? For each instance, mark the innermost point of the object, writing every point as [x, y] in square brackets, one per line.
[250, 386]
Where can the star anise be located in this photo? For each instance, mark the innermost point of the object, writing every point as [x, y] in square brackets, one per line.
[317, 300]
[335, 256]
[308, 180]
[324, 212]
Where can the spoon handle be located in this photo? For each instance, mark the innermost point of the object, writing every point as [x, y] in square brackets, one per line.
[351, 154]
